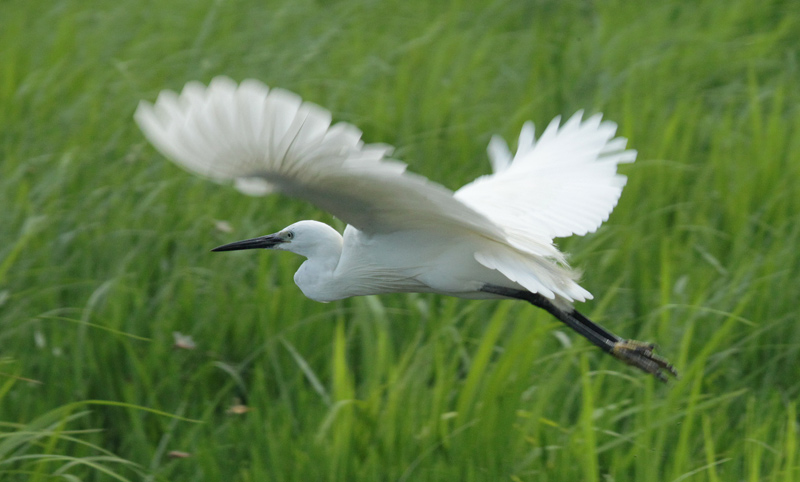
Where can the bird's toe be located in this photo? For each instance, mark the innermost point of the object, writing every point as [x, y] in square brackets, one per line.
[640, 354]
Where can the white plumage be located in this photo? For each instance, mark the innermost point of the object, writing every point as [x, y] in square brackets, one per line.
[492, 238]
[563, 184]
[267, 140]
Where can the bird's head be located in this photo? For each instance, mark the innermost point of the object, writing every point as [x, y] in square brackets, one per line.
[306, 238]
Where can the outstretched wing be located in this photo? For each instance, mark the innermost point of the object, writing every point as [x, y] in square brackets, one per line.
[265, 140]
[565, 183]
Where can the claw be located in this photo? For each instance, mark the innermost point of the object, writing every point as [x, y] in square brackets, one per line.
[640, 355]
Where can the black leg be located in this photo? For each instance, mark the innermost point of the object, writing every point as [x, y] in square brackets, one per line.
[632, 352]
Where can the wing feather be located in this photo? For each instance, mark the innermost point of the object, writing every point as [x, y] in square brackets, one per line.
[266, 140]
[565, 183]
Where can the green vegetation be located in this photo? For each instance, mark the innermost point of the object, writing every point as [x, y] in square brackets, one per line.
[104, 249]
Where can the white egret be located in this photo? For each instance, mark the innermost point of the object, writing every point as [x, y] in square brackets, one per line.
[493, 238]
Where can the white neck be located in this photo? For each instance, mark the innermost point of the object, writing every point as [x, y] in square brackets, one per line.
[323, 250]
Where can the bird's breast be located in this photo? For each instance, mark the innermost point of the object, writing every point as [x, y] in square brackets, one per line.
[317, 283]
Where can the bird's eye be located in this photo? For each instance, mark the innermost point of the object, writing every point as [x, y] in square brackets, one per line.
[289, 235]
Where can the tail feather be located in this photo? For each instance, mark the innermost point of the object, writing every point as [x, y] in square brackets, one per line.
[536, 274]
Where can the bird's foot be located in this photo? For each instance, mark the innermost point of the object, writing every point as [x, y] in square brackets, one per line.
[640, 355]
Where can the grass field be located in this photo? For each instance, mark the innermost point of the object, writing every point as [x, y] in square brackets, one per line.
[104, 249]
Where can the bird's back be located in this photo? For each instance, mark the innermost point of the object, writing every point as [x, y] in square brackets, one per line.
[423, 260]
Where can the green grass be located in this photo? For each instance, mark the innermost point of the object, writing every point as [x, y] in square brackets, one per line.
[104, 249]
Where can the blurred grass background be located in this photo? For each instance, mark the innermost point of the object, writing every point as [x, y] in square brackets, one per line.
[104, 248]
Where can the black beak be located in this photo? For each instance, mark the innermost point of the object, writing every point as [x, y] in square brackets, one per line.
[261, 242]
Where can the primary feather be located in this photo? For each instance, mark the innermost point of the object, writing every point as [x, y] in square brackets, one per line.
[267, 140]
[563, 184]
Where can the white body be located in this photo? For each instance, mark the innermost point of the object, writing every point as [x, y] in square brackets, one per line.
[405, 233]
[407, 262]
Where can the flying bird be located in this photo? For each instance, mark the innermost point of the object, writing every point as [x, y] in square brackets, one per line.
[491, 239]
